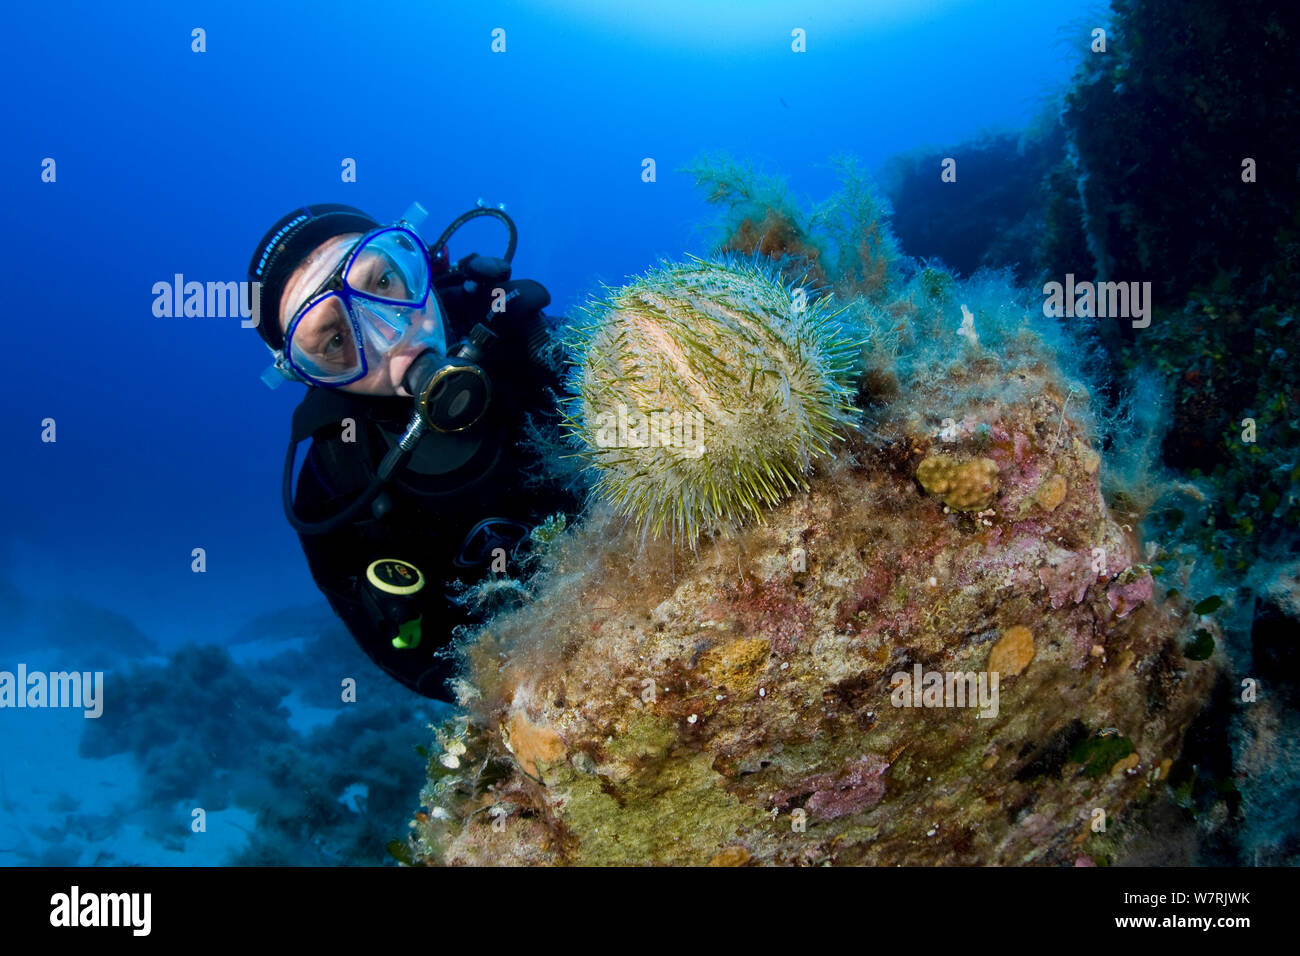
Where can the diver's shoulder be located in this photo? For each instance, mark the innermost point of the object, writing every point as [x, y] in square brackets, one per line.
[325, 407]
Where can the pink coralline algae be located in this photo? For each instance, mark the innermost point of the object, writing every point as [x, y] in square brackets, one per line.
[1022, 448]
[1068, 579]
[871, 588]
[767, 609]
[1125, 598]
[856, 787]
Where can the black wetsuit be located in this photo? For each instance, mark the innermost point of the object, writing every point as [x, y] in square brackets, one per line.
[448, 486]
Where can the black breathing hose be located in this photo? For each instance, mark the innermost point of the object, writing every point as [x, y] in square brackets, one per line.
[395, 458]
[473, 214]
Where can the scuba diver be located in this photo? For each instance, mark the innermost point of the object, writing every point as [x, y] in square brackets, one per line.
[422, 374]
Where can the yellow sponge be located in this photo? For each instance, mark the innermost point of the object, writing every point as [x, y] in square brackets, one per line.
[965, 484]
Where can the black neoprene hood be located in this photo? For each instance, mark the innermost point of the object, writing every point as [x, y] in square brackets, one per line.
[286, 244]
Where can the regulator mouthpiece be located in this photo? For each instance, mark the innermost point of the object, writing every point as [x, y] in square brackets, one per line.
[451, 392]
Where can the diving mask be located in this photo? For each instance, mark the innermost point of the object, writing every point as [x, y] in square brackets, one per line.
[378, 300]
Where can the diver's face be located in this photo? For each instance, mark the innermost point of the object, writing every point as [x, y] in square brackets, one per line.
[383, 377]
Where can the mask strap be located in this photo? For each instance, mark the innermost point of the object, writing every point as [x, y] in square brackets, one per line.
[277, 373]
[414, 217]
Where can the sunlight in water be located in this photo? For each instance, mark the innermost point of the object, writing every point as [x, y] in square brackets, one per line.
[728, 22]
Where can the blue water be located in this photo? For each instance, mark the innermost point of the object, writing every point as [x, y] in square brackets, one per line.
[173, 161]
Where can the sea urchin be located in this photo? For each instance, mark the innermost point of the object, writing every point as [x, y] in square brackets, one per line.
[704, 390]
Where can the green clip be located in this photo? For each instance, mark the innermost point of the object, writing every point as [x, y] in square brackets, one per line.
[408, 635]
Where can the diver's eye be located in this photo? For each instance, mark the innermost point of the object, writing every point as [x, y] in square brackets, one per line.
[331, 342]
[379, 276]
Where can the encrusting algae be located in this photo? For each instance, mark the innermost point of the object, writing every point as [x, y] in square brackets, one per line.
[738, 702]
